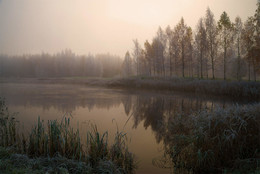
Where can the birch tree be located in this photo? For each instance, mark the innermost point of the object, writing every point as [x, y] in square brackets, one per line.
[201, 41]
[248, 42]
[136, 55]
[225, 32]
[238, 26]
[211, 33]
[127, 65]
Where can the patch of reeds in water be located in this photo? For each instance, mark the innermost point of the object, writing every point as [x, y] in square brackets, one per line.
[59, 141]
[219, 141]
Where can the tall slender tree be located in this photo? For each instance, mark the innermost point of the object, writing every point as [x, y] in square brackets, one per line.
[225, 32]
[170, 41]
[161, 50]
[201, 41]
[148, 51]
[257, 37]
[189, 40]
[248, 42]
[238, 26]
[176, 49]
[211, 32]
[136, 55]
[127, 65]
[181, 33]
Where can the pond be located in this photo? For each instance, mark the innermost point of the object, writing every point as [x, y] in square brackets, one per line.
[141, 114]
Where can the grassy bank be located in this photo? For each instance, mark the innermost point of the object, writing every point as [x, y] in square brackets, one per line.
[219, 141]
[55, 147]
[235, 89]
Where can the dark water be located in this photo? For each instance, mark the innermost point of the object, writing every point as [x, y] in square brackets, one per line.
[142, 114]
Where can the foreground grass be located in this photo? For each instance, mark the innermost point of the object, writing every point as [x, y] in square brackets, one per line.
[57, 148]
[219, 141]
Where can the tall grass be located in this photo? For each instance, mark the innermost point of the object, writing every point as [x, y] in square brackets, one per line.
[58, 139]
[8, 126]
[214, 142]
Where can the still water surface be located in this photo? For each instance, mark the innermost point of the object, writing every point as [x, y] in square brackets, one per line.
[142, 114]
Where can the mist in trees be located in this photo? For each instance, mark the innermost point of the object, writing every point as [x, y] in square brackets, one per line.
[63, 64]
[215, 48]
[220, 48]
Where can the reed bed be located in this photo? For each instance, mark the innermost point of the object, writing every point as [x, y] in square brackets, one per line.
[57, 147]
[218, 141]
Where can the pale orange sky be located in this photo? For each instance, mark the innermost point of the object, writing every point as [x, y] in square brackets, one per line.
[99, 26]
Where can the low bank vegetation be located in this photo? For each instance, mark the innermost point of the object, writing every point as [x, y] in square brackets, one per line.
[57, 147]
[236, 89]
[219, 141]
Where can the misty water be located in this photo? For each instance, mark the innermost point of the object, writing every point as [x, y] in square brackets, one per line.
[141, 114]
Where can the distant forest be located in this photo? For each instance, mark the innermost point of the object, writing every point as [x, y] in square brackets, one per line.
[214, 49]
[64, 64]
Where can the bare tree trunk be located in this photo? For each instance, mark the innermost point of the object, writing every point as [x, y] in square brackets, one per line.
[191, 65]
[254, 70]
[201, 64]
[170, 64]
[249, 71]
[189, 68]
[198, 68]
[254, 74]
[163, 66]
[238, 69]
[225, 56]
[207, 68]
[212, 65]
[238, 61]
[153, 67]
[175, 66]
[182, 55]
[150, 68]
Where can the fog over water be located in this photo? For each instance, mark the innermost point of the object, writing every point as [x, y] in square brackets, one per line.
[171, 74]
[142, 114]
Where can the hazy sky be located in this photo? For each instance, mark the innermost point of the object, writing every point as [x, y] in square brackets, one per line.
[99, 26]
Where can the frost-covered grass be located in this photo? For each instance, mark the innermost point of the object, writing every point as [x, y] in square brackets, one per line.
[236, 89]
[218, 141]
[57, 147]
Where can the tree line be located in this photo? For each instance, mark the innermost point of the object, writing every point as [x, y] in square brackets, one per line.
[63, 64]
[214, 49]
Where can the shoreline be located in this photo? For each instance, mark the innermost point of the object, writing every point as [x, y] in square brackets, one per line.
[233, 89]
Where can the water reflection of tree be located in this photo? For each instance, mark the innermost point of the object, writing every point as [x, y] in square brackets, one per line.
[151, 111]
[155, 111]
[151, 108]
[67, 98]
[128, 104]
[166, 115]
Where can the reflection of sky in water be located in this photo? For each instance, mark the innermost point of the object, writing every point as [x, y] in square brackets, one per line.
[143, 115]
